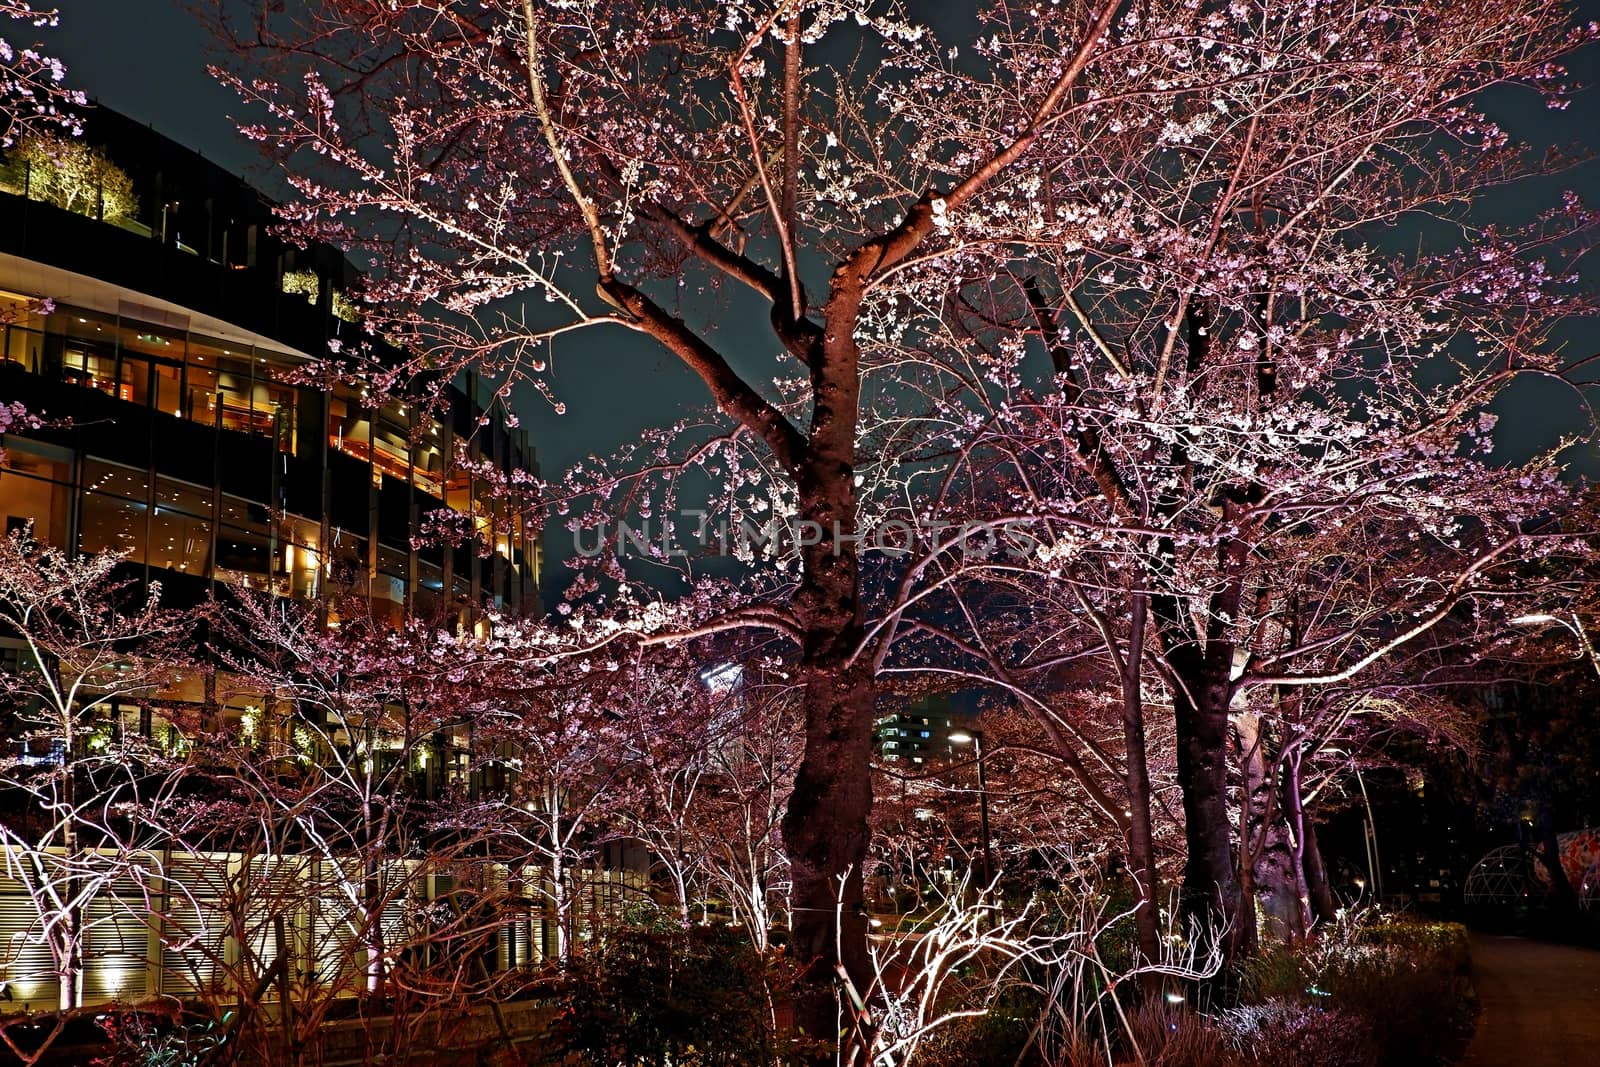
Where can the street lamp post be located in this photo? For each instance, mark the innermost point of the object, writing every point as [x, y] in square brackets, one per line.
[975, 738]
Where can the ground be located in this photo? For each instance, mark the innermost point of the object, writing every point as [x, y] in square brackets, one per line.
[1541, 1004]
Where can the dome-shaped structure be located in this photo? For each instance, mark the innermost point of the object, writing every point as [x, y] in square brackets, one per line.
[1503, 876]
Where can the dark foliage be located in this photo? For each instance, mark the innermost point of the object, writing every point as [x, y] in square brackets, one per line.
[650, 996]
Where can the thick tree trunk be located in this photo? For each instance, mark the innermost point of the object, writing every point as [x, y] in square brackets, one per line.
[1247, 918]
[825, 829]
[1210, 894]
[1201, 665]
[1270, 889]
[1323, 905]
[1561, 891]
[825, 826]
[1278, 885]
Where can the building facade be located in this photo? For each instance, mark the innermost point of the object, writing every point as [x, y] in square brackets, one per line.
[918, 732]
[152, 318]
[165, 328]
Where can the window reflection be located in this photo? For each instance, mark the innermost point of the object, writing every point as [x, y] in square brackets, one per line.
[25, 346]
[428, 460]
[36, 489]
[300, 569]
[90, 368]
[201, 404]
[391, 443]
[114, 510]
[429, 599]
[235, 393]
[180, 529]
[243, 544]
[134, 381]
[389, 590]
[169, 388]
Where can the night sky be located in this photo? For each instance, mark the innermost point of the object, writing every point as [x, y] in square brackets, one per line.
[147, 58]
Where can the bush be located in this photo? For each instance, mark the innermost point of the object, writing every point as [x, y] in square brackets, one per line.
[1173, 1036]
[695, 997]
[1407, 983]
[1287, 1033]
[1005, 1035]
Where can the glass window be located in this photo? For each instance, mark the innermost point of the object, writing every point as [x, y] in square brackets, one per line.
[36, 488]
[427, 458]
[25, 346]
[209, 352]
[80, 325]
[90, 366]
[134, 382]
[458, 491]
[115, 478]
[389, 591]
[274, 409]
[169, 388]
[348, 428]
[24, 332]
[243, 544]
[114, 510]
[19, 309]
[346, 563]
[180, 534]
[483, 514]
[234, 375]
[430, 588]
[146, 340]
[300, 570]
[391, 443]
[201, 404]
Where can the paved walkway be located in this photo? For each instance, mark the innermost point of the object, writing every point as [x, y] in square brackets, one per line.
[1541, 1004]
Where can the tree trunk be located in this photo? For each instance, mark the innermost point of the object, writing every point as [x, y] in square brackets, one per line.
[825, 826]
[1561, 891]
[1316, 897]
[1247, 919]
[1210, 894]
[71, 920]
[1266, 852]
[1136, 780]
[1323, 904]
[680, 888]
[825, 829]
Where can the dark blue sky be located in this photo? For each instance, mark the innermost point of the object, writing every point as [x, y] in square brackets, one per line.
[147, 58]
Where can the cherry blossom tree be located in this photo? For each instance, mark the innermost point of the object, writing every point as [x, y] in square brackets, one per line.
[33, 94]
[1265, 458]
[82, 772]
[567, 760]
[363, 781]
[541, 136]
[1180, 207]
[752, 758]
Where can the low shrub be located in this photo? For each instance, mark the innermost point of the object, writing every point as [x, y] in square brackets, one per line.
[1167, 1035]
[1005, 1035]
[1288, 1033]
[691, 997]
[1408, 983]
